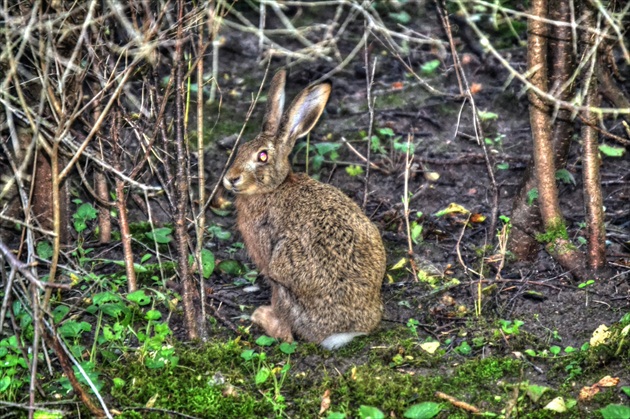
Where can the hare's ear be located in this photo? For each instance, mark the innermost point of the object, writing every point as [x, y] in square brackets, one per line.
[275, 104]
[303, 114]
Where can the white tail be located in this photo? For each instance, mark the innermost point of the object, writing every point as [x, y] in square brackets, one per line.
[338, 340]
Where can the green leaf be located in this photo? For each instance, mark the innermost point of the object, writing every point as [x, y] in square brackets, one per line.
[569, 349]
[160, 235]
[73, 329]
[59, 313]
[370, 412]
[615, 411]
[265, 340]
[430, 66]
[336, 415]
[262, 375]
[532, 195]
[49, 414]
[145, 257]
[564, 176]
[404, 147]
[105, 297]
[503, 166]
[288, 348]
[317, 162]
[530, 352]
[388, 132]
[487, 116]
[118, 383]
[5, 382]
[401, 17]
[626, 390]
[86, 211]
[207, 262]
[231, 267]
[464, 348]
[153, 315]
[44, 250]
[424, 410]
[248, 354]
[535, 392]
[354, 170]
[416, 232]
[611, 151]
[555, 350]
[324, 148]
[218, 232]
[139, 297]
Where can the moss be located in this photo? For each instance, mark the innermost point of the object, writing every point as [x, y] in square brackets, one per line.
[555, 230]
[387, 370]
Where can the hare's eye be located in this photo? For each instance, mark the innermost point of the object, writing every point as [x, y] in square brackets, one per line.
[263, 156]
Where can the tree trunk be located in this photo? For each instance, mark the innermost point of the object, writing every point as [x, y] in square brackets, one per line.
[555, 236]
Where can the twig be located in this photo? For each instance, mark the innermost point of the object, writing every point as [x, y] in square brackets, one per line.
[363, 158]
[408, 161]
[369, 82]
[457, 403]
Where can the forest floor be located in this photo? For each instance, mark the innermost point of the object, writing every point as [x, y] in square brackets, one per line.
[510, 342]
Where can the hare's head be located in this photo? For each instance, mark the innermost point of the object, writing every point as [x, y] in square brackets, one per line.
[262, 164]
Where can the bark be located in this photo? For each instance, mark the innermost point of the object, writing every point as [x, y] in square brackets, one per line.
[189, 293]
[104, 218]
[544, 166]
[121, 204]
[593, 201]
[526, 219]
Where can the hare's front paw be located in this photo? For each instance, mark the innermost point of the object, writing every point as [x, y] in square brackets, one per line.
[265, 317]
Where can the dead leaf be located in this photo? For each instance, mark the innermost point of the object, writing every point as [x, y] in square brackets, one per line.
[452, 208]
[477, 218]
[587, 393]
[431, 176]
[430, 347]
[476, 88]
[556, 405]
[608, 381]
[398, 265]
[151, 401]
[467, 59]
[600, 335]
[325, 405]
[230, 391]
[398, 85]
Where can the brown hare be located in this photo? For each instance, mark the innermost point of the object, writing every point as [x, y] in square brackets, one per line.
[323, 257]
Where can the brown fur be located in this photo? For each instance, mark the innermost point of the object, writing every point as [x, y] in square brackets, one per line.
[323, 257]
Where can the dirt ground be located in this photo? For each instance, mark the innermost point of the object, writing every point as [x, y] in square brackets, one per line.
[537, 292]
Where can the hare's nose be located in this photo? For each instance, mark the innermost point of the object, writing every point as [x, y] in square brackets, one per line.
[233, 180]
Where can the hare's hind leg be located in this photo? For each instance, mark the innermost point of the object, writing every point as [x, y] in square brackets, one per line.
[266, 317]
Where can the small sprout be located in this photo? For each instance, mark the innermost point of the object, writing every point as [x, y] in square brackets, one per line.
[532, 195]
[429, 67]
[354, 170]
[464, 348]
[611, 151]
[487, 116]
[564, 176]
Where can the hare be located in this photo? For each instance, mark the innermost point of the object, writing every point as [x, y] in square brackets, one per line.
[323, 258]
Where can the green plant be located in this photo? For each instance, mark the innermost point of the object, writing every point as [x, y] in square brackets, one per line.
[316, 154]
[13, 369]
[412, 325]
[263, 370]
[510, 327]
[354, 170]
[585, 284]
